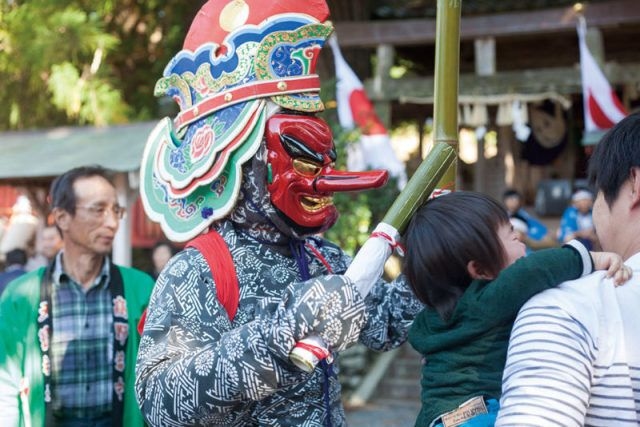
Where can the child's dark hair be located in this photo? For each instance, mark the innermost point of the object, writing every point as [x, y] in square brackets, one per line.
[443, 236]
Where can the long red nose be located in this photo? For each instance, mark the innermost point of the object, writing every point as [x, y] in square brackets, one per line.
[336, 181]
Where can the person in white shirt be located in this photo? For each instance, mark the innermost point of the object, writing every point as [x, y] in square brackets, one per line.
[573, 356]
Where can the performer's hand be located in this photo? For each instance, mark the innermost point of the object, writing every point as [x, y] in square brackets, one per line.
[339, 307]
[328, 306]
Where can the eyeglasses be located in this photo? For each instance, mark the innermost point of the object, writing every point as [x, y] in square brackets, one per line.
[101, 212]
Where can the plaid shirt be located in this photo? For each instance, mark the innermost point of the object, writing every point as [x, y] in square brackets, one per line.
[82, 345]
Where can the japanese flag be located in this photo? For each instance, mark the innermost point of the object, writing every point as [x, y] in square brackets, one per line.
[602, 108]
[373, 150]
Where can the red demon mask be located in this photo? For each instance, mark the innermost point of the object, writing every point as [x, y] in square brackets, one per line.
[301, 157]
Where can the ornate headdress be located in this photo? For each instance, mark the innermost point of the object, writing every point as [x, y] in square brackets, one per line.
[237, 56]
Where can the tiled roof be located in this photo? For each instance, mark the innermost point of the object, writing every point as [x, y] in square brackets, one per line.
[47, 153]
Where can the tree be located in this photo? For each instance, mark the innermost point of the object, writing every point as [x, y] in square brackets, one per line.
[77, 62]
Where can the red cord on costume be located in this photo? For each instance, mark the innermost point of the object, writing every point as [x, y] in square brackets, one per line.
[319, 352]
[395, 245]
[318, 255]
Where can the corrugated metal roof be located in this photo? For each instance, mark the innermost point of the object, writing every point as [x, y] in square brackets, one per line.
[46, 153]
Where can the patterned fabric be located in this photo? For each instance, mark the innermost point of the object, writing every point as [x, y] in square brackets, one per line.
[327, 305]
[82, 346]
[238, 374]
[195, 367]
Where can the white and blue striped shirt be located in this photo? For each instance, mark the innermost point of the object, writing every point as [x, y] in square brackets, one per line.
[574, 356]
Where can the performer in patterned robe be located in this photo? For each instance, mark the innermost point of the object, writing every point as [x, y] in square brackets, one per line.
[246, 160]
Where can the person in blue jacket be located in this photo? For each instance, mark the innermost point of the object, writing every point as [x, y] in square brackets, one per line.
[537, 236]
[577, 221]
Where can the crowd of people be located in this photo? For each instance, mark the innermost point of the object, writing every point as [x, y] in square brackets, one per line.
[207, 337]
[576, 222]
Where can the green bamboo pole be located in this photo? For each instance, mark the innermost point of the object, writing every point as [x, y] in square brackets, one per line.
[445, 92]
[439, 167]
[441, 158]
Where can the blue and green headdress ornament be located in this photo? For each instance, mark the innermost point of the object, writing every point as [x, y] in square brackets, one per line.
[239, 58]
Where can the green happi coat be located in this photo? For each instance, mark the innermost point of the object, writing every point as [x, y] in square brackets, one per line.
[20, 355]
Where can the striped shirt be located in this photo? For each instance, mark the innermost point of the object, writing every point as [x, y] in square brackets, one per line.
[82, 345]
[574, 357]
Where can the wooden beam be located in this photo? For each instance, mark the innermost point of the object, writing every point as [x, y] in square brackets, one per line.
[563, 81]
[422, 31]
[386, 57]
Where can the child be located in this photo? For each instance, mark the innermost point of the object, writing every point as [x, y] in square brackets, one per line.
[465, 262]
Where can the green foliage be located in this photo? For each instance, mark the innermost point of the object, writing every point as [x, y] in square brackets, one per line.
[96, 62]
[63, 83]
[89, 101]
[359, 211]
[85, 61]
[52, 62]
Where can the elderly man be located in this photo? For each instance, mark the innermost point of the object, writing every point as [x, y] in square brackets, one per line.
[573, 356]
[69, 341]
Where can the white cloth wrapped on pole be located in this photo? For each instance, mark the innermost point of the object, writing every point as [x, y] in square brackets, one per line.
[368, 264]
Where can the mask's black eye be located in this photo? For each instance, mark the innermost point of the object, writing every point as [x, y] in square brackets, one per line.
[297, 149]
